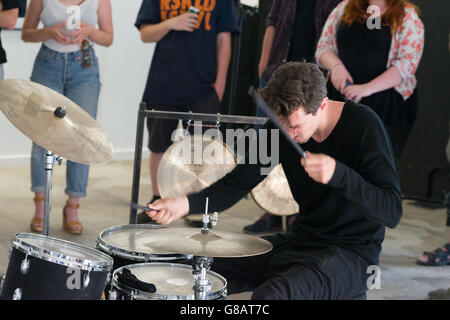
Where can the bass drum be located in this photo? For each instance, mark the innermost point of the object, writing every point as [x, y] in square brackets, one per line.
[46, 268]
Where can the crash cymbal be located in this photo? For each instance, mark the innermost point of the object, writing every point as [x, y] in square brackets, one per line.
[192, 164]
[214, 244]
[274, 195]
[30, 107]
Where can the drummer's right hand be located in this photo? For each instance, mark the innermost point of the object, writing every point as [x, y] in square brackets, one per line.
[168, 209]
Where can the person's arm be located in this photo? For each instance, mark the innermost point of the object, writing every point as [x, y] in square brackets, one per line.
[223, 61]
[405, 64]
[374, 186]
[269, 35]
[155, 32]
[30, 32]
[8, 17]
[327, 55]
[388, 79]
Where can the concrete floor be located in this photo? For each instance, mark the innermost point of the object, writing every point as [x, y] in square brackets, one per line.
[109, 193]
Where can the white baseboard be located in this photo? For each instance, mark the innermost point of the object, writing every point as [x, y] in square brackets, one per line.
[24, 160]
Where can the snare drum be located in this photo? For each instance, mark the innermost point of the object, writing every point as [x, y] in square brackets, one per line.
[46, 268]
[126, 244]
[172, 282]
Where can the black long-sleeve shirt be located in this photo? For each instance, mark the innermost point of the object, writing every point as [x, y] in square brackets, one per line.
[352, 210]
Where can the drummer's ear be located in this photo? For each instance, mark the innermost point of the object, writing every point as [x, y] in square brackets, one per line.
[324, 103]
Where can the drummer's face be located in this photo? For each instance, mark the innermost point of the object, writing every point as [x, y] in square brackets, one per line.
[302, 126]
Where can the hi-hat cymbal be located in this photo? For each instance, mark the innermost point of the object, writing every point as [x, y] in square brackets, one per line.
[192, 164]
[30, 107]
[274, 195]
[215, 244]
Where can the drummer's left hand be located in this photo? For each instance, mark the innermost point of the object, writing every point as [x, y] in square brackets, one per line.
[168, 209]
[319, 167]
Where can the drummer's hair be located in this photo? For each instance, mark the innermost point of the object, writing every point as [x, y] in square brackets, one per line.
[295, 84]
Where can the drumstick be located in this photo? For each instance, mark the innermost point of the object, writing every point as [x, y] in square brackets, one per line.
[261, 103]
[140, 207]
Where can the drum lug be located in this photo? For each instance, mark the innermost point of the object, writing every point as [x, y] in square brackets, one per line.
[9, 253]
[112, 295]
[17, 294]
[25, 266]
[108, 278]
[2, 282]
[86, 281]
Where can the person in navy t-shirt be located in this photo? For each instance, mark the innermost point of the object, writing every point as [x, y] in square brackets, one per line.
[189, 66]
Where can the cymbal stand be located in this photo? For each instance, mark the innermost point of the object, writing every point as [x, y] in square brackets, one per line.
[49, 161]
[202, 285]
[50, 158]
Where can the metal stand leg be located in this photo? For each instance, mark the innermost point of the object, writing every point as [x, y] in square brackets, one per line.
[137, 162]
[49, 160]
[284, 223]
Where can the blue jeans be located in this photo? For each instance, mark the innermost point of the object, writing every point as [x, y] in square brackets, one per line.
[64, 73]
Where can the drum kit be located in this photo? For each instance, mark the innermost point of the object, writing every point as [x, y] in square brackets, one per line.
[129, 262]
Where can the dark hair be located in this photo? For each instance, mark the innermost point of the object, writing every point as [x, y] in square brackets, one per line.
[294, 85]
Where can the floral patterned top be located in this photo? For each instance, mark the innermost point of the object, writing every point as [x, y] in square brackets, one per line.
[405, 52]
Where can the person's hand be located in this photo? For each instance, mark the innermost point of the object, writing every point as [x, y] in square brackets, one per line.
[169, 209]
[219, 86]
[184, 22]
[82, 33]
[319, 167]
[54, 32]
[357, 92]
[339, 77]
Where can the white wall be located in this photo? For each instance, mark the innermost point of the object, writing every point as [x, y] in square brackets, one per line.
[123, 71]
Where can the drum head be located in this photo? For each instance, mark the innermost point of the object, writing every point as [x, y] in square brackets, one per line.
[172, 281]
[130, 242]
[62, 252]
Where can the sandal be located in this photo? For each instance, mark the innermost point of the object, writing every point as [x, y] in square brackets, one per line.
[37, 223]
[437, 257]
[73, 227]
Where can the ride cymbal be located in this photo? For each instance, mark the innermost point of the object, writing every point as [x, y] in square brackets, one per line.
[76, 136]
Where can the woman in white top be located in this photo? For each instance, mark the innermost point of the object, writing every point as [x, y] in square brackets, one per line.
[67, 64]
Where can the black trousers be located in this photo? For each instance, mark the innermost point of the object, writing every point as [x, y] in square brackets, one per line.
[297, 270]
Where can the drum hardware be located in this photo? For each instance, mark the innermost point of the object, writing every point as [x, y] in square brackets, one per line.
[143, 113]
[55, 123]
[207, 219]
[17, 294]
[202, 284]
[25, 265]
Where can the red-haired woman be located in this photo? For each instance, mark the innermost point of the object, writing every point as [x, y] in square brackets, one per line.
[372, 49]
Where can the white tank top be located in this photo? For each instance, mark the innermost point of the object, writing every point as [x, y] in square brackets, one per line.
[54, 12]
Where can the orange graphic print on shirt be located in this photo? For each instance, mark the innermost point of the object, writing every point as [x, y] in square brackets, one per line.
[173, 8]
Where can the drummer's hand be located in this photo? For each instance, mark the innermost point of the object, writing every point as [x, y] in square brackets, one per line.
[319, 167]
[168, 209]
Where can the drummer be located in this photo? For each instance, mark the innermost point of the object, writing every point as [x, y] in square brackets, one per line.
[347, 187]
